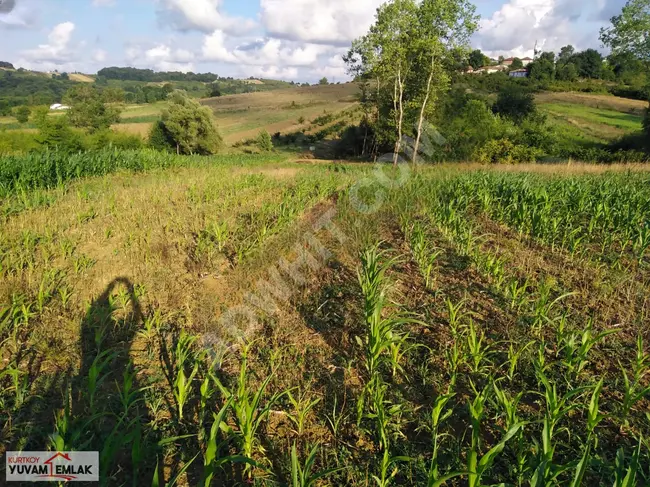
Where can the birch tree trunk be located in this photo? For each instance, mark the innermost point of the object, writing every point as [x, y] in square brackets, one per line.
[422, 110]
[399, 103]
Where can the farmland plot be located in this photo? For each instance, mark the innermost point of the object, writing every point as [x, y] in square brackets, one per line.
[476, 328]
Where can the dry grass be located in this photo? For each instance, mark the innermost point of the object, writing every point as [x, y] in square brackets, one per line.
[142, 128]
[81, 78]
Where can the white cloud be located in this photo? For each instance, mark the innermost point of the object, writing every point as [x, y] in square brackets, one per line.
[99, 56]
[274, 57]
[261, 52]
[201, 15]
[57, 50]
[335, 22]
[270, 72]
[519, 24]
[160, 57]
[103, 3]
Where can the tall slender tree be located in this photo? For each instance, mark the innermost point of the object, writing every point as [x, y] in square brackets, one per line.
[442, 34]
[405, 60]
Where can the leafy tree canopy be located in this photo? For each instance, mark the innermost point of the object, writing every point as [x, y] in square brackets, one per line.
[186, 127]
[88, 109]
[630, 31]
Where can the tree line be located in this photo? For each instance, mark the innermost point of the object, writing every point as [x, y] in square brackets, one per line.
[136, 74]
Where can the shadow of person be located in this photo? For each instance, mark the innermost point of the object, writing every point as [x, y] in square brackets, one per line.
[84, 409]
[104, 393]
[102, 331]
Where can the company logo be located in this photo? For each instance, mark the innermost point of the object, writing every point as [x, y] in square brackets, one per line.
[39, 466]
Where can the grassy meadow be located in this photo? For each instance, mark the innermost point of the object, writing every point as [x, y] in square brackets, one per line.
[591, 120]
[463, 326]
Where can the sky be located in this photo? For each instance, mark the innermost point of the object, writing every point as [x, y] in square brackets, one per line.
[298, 40]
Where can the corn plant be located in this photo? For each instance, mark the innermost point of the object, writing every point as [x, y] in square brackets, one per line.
[516, 292]
[439, 413]
[301, 474]
[633, 389]
[477, 349]
[382, 333]
[302, 406]
[213, 462]
[182, 386]
[388, 469]
[456, 314]
[576, 355]
[248, 408]
[96, 375]
[425, 256]
[557, 407]
[514, 355]
[626, 477]
[478, 466]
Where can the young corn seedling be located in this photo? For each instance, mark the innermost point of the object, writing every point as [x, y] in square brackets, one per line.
[389, 469]
[626, 477]
[249, 411]
[576, 356]
[477, 467]
[425, 256]
[633, 389]
[96, 375]
[382, 333]
[509, 405]
[514, 355]
[557, 407]
[182, 387]
[456, 314]
[477, 349]
[517, 293]
[302, 406]
[301, 474]
[439, 413]
[216, 443]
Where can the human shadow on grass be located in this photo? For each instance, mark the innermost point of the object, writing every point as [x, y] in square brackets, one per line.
[97, 406]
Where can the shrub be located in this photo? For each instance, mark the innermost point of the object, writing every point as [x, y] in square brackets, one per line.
[88, 109]
[264, 141]
[301, 120]
[504, 151]
[56, 133]
[119, 140]
[515, 103]
[646, 123]
[22, 114]
[159, 138]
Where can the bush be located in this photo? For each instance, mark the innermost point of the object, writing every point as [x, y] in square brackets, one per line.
[515, 103]
[159, 139]
[56, 133]
[118, 140]
[264, 141]
[504, 151]
[17, 141]
[22, 114]
[301, 120]
[646, 123]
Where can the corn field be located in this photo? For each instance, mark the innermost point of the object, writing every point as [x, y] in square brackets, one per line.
[481, 328]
